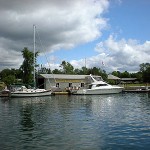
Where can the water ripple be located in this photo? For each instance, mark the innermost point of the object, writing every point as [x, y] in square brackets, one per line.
[119, 121]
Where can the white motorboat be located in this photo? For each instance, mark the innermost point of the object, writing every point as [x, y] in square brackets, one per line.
[99, 87]
[24, 92]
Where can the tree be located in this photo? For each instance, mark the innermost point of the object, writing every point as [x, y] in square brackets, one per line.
[116, 73]
[125, 74]
[84, 70]
[67, 67]
[8, 80]
[27, 66]
[56, 71]
[8, 73]
[44, 70]
[145, 70]
[4, 73]
[137, 75]
[95, 71]
[77, 71]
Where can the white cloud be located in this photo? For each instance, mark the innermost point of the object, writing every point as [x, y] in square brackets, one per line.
[62, 24]
[122, 55]
[125, 54]
[94, 61]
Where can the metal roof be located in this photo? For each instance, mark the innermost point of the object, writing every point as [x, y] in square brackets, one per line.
[63, 76]
[110, 76]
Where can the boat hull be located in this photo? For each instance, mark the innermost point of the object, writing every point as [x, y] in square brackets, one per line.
[5, 93]
[30, 94]
[99, 91]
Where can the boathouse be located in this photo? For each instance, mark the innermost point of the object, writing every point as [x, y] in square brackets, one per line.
[113, 79]
[61, 82]
[129, 80]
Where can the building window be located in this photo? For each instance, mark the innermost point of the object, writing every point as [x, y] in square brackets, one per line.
[70, 84]
[82, 84]
[57, 84]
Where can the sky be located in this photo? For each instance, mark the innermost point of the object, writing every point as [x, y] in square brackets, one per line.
[113, 35]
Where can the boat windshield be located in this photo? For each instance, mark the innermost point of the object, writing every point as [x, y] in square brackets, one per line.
[90, 86]
[98, 78]
[98, 85]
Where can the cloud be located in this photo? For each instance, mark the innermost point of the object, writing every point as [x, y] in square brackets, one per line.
[62, 25]
[117, 55]
[124, 54]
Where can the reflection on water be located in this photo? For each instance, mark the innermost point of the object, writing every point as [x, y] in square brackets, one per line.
[120, 121]
[26, 118]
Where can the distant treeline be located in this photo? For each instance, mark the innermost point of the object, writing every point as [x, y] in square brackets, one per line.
[10, 76]
[25, 73]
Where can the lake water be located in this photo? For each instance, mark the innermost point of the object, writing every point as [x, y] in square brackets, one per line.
[113, 122]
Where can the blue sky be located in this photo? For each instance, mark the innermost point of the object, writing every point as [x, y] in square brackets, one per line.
[127, 19]
[115, 32]
[132, 18]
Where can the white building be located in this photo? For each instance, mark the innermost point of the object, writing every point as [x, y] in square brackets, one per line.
[64, 81]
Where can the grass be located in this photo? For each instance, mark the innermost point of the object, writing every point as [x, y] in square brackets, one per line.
[134, 86]
[137, 84]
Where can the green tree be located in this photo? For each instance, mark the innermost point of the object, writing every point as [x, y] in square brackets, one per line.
[84, 70]
[137, 75]
[44, 70]
[77, 71]
[104, 75]
[4, 73]
[10, 79]
[27, 66]
[56, 71]
[145, 70]
[16, 73]
[125, 74]
[116, 73]
[97, 71]
[67, 67]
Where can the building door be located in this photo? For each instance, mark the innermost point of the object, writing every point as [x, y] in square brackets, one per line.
[70, 84]
[40, 83]
[82, 84]
[57, 84]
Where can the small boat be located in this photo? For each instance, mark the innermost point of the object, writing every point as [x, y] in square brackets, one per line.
[99, 88]
[24, 92]
[5, 93]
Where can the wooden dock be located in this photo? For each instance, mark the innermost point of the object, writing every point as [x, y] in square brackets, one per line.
[137, 91]
[61, 93]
